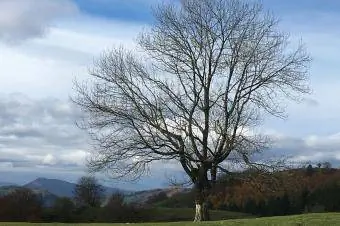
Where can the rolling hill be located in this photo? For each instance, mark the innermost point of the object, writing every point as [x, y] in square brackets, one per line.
[62, 188]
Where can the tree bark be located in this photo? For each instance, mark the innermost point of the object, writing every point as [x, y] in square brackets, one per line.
[202, 212]
[202, 188]
[201, 205]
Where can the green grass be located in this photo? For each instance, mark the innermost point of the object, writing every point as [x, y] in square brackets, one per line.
[187, 214]
[322, 219]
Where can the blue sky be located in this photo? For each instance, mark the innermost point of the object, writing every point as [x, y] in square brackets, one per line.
[139, 10]
[45, 44]
[135, 11]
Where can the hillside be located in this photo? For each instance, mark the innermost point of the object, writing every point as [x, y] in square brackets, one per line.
[287, 192]
[143, 197]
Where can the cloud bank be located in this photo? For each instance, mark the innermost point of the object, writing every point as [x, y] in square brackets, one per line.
[41, 132]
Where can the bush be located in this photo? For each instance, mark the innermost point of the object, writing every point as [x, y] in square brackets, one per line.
[116, 210]
[63, 210]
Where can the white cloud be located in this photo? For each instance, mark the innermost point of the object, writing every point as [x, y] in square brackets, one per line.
[327, 143]
[49, 160]
[24, 19]
[77, 157]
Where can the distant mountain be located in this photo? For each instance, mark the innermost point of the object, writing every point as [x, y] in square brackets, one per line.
[57, 187]
[62, 188]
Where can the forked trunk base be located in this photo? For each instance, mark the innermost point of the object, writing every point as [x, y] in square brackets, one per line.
[202, 213]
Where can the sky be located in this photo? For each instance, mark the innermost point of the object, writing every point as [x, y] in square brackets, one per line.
[46, 44]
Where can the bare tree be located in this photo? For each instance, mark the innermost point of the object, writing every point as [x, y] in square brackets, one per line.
[327, 165]
[208, 71]
[88, 192]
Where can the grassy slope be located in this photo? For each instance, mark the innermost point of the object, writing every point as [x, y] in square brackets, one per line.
[323, 219]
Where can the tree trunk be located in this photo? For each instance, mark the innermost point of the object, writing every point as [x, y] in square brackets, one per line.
[202, 187]
[202, 212]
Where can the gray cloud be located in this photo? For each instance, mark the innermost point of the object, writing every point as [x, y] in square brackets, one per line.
[311, 148]
[40, 132]
[311, 102]
[24, 19]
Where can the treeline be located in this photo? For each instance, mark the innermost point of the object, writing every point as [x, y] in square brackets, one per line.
[88, 205]
[289, 192]
[114, 211]
[23, 205]
[296, 191]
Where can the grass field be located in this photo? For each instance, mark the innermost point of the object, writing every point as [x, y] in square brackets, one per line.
[187, 214]
[322, 219]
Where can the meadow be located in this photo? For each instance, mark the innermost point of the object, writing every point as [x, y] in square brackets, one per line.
[322, 219]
